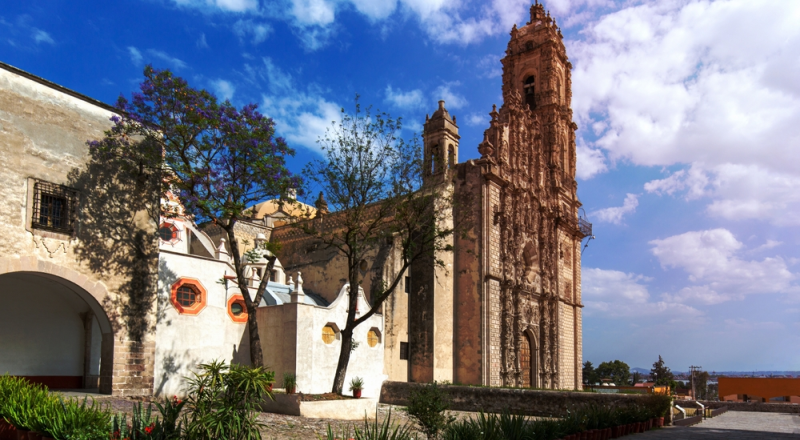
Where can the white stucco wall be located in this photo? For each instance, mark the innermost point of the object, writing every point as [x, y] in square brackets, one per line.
[292, 337]
[42, 329]
[184, 341]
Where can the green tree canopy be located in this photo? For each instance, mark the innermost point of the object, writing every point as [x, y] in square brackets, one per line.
[661, 374]
[619, 372]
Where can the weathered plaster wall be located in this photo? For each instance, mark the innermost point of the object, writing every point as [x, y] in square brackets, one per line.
[43, 134]
[292, 338]
[469, 284]
[184, 341]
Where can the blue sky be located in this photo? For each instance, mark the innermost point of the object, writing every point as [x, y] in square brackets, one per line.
[689, 138]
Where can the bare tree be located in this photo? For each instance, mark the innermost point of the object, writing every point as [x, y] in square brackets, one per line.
[372, 179]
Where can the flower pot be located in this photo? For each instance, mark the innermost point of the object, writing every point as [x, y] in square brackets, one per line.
[291, 390]
[357, 394]
[660, 422]
[7, 430]
[22, 434]
[269, 387]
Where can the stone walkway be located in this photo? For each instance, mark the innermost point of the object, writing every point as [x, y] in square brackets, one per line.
[734, 425]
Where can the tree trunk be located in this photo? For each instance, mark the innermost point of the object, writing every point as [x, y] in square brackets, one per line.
[344, 360]
[256, 355]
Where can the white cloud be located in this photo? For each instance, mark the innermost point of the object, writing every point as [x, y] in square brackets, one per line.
[408, 100]
[452, 100]
[40, 36]
[135, 55]
[615, 214]
[223, 89]
[301, 116]
[478, 119]
[171, 61]
[223, 5]
[613, 293]
[717, 272]
[590, 161]
[706, 84]
[201, 42]
[737, 191]
[256, 32]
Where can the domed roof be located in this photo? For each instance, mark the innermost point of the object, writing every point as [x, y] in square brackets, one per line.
[442, 112]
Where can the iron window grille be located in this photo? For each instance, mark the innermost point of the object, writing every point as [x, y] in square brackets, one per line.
[404, 351]
[54, 207]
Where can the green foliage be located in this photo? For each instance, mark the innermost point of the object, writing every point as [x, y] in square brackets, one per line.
[356, 384]
[507, 426]
[374, 430]
[590, 374]
[289, 381]
[224, 401]
[617, 371]
[427, 406]
[662, 374]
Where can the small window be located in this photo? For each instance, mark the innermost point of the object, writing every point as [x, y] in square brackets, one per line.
[53, 207]
[373, 337]
[328, 334]
[237, 309]
[407, 283]
[167, 232]
[187, 295]
[404, 351]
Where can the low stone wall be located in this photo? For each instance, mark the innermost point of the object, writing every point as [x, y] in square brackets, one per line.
[347, 409]
[791, 408]
[517, 400]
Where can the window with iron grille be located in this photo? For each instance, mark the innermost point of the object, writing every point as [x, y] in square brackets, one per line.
[54, 207]
[404, 351]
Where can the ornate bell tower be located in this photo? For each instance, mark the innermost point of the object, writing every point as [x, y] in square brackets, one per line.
[440, 137]
[536, 67]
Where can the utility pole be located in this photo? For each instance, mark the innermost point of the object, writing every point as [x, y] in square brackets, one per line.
[694, 368]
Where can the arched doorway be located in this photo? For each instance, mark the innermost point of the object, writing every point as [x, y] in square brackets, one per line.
[528, 360]
[53, 331]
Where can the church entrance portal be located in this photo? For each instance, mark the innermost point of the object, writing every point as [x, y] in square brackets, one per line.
[51, 331]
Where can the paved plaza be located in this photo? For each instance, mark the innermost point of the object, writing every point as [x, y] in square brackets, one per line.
[735, 426]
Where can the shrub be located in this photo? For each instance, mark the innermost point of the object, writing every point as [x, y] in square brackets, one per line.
[427, 406]
[375, 431]
[224, 401]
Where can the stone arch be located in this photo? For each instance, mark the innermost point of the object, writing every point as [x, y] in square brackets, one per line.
[74, 288]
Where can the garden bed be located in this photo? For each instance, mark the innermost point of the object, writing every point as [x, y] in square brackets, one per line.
[321, 406]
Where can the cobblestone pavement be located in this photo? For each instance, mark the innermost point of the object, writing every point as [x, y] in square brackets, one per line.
[734, 425]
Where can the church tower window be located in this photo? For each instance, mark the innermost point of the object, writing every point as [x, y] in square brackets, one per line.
[530, 92]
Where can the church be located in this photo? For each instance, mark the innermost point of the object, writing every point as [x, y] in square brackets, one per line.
[76, 311]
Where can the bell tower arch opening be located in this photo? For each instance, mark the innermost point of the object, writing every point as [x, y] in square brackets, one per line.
[528, 86]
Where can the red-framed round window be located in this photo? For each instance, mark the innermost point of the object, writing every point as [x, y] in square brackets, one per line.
[168, 232]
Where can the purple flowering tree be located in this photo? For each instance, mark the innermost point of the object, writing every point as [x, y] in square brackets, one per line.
[217, 158]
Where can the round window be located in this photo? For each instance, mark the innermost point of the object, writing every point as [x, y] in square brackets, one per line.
[166, 232]
[237, 309]
[186, 296]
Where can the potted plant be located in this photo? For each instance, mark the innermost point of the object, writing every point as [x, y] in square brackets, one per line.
[356, 385]
[270, 378]
[290, 382]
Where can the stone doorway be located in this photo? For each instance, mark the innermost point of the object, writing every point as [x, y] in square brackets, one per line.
[525, 361]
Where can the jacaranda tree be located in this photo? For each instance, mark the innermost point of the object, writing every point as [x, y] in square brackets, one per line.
[219, 160]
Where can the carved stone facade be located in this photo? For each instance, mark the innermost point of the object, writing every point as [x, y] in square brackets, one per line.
[515, 288]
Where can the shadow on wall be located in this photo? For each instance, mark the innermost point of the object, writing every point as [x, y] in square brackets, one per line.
[118, 217]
